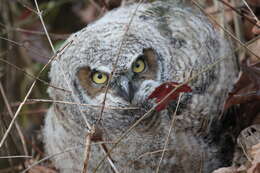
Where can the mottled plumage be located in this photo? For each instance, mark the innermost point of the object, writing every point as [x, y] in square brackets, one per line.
[175, 42]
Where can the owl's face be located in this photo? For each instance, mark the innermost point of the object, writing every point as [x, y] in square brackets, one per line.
[129, 87]
[139, 76]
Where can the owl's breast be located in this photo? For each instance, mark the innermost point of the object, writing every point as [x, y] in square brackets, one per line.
[141, 150]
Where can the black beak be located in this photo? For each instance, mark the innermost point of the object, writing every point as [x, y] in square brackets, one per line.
[126, 89]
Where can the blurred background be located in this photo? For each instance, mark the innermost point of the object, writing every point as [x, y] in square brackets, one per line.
[24, 50]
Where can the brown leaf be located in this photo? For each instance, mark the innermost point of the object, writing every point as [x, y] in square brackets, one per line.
[256, 28]
[254, 47]
[255, 153]
[247, 88]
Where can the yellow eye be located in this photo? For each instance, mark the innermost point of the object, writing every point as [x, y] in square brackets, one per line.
[138, 66]
[99, 78]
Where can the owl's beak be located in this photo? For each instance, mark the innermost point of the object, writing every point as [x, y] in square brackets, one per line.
[126, 89]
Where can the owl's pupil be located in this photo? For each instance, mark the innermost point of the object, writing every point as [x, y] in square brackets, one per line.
[100, 76]
[137, 65]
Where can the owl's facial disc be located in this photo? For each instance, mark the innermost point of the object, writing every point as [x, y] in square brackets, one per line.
[125, 83]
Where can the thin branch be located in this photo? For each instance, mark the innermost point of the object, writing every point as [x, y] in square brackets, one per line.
[87, 150]
[27, 95]
[32, 145]
[109, 158]
[251, 11]
[23, 46]
[35, 32]
[153, 152]
[225, 30]
[27, 7]
[49, 157]
[111, 76]
[238, 12]
[62, 71]
[117, 58]
[12, 115]
[16, 114]
[129, 163]
[169, 133]
[81, 104]
[39, 13]
[216, 11]
[14, 157]
[32, 76]
[59, 153]
[38, 112]
[244, 151]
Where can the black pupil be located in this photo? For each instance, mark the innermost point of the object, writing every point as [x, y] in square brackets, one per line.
[137, 65]
[100, 76]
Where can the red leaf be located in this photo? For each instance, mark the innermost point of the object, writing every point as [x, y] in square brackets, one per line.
[163, 90]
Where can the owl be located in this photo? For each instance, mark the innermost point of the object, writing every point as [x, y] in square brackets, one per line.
[143, 46]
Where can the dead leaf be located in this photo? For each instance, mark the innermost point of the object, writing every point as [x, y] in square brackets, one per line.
[255, 153]
[256, 28]
[247, 88]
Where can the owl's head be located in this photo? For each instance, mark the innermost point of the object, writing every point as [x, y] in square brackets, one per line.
[88, 64]
[154, 46]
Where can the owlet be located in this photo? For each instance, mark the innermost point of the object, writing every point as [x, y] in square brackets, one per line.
[144, 45]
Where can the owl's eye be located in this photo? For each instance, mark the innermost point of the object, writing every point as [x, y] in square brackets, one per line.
[99, 77]
[138, 66]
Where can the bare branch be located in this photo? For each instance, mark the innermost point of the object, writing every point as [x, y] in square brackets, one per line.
[32, 76]
[80, 104]
[12, 115]
[14, 157]
[26, 97]
[87, 150]
[225, 30]
[169, 133]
